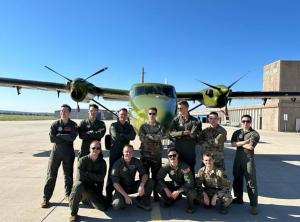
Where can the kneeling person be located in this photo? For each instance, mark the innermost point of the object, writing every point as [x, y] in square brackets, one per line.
[213, 184]
[182, 181]
[91, 171]
[123, 178]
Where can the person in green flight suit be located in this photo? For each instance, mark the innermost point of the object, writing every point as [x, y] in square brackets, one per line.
[91, 171]
[182, 181]
[62, 134]
[122, 132]
[185, 130]
[245, 141]
[123, 178]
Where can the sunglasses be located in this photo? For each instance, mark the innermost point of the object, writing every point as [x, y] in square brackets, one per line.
[152, 114]
[172, 155]
[246, 121]
[96, 147]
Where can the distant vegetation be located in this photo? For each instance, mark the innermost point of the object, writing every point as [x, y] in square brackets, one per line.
[22, 116]
[14, 117]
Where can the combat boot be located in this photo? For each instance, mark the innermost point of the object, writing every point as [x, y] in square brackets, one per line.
[190, 206]
[45, 204]
[223, 210]
[253, 210]
[238, 200]
[144, 203]
[73, 218]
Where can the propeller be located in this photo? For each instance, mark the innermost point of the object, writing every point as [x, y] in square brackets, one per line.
[58, 73]
[96, 73]
[229, 87]
[214, 87]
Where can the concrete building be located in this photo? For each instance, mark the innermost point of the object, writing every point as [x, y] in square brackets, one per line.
[277, 114]
[83, 114]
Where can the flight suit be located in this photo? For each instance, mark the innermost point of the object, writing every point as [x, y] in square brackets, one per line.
[125, 175]
[181, 177]
[212, 140]
[151, 148]
[214, 182]
[185, 145]
[121, 134]
[244, 165]
[89, 174]
[62, 135]
[88, 132]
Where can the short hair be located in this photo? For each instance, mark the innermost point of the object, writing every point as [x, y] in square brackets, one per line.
[213, 113]
[94, 106]
[208, 154]
[129, 146]
[66, 106]
[153, 108]
[123, 109]
[95, 141]
[247, 116]
[172, 149]
[183, 102]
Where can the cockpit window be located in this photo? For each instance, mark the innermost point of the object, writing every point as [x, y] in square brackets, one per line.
[156, 90]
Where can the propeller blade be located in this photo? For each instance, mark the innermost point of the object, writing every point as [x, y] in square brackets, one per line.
[57, 73]
[101, 70]
[195, 107]
[95, 101]
[237, 81]
[214, 87]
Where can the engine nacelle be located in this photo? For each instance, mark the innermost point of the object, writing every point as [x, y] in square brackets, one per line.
[81, 91]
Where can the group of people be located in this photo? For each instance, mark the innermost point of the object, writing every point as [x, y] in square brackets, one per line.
[207, 186]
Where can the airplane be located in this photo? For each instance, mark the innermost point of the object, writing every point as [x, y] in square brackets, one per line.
[143, 95]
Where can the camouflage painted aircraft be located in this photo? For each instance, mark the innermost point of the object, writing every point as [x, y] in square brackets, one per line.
[141, 96]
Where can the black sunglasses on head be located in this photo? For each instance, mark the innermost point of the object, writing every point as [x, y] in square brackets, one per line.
[96, 147]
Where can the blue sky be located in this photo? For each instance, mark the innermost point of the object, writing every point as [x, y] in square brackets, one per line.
[215, 41]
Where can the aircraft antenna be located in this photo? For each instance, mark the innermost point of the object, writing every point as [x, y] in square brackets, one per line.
[143, 75]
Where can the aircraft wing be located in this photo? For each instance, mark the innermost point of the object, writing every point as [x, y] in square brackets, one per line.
[112, 94]
[32, 84]
[189, 95]
[106, 93]
[262, 95]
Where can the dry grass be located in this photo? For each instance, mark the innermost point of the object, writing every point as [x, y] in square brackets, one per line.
[6, 117]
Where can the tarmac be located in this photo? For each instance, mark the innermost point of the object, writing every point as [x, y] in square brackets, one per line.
[25, 149]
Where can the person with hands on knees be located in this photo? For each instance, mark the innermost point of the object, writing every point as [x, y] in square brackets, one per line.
[182, 181]
[123, 178]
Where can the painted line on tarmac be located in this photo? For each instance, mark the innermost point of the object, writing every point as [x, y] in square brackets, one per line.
[48, 214]
[155, 213]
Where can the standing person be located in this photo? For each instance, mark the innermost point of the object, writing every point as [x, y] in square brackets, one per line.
[90, 129]
[185, 129]
[123, 178]
[212, 184]
[62, 134]
[245, 139]
[122, 133]
[212, 140]
[182, 181]
[91, 171]
[151, 134]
